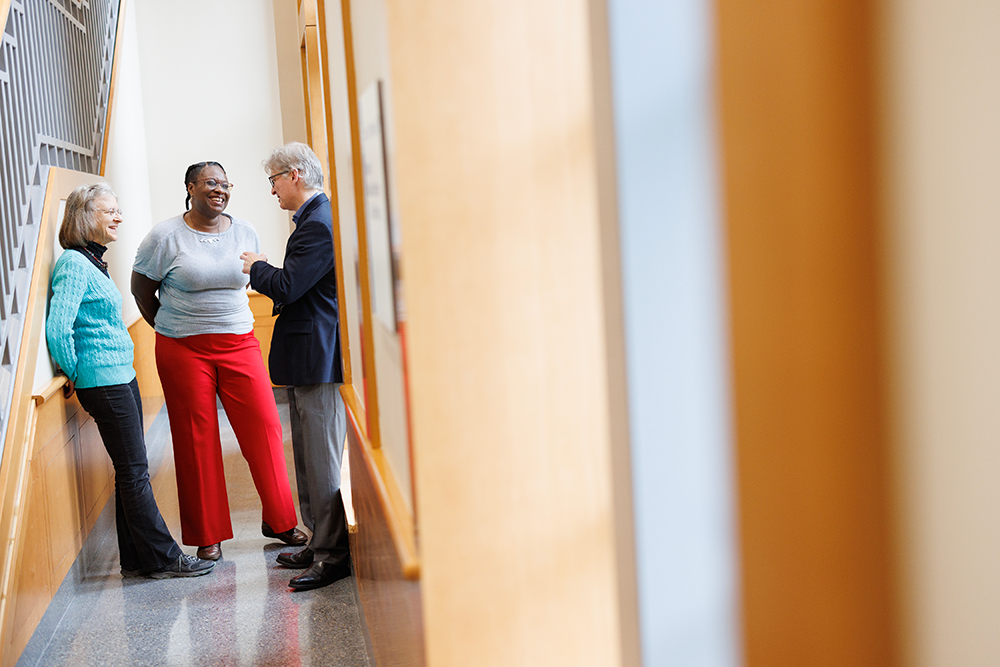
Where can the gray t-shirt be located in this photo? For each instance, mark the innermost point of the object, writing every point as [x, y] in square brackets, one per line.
[202, 284]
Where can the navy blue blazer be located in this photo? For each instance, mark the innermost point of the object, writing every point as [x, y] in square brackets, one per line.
[305, 347]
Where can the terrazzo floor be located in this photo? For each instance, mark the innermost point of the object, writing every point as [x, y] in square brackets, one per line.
[243, 613]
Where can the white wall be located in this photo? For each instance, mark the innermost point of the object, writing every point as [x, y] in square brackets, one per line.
[127, 164]
[672, 276]
[942, 88]
[210, 92]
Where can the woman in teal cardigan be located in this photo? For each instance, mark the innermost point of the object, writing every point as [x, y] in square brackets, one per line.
[89, 341]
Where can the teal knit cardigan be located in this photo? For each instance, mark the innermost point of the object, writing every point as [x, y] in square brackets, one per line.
[84, 328]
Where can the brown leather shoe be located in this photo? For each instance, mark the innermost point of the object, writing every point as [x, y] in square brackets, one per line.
[296, 560]
[292, 537]
[211, 552]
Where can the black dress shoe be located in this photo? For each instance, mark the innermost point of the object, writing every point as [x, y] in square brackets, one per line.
[292, 537]
[320, 574]
[211, 552]
[297, 559]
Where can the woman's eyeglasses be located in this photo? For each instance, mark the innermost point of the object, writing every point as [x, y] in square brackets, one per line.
[213, 184]
[111, 211]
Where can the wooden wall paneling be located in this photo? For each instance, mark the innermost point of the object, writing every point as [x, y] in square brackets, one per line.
[507, 333]
[391, 602]
[95, 470]
[263, 323]
[798, 142]
[34, 584]
[14, 468]
[64, 494]
[55, 423]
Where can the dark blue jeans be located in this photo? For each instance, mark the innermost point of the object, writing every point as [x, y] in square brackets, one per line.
[144, 543]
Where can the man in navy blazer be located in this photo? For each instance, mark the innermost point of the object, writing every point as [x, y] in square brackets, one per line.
[305, 356]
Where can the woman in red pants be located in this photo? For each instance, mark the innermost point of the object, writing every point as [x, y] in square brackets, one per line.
[189, 285]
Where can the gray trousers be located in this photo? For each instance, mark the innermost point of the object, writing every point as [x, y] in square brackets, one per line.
[319, 427]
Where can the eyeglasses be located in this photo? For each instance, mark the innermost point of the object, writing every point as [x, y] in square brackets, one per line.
[280, 173]
[111, 211]
[212, 184]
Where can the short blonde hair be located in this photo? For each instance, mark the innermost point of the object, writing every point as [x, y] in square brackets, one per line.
[79, 223]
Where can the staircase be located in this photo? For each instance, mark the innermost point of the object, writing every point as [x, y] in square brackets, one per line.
[55, 79]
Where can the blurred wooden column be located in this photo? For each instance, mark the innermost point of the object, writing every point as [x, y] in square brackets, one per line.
[520, 445]
[798, 117]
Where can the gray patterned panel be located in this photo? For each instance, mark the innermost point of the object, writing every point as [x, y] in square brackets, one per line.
[55, 76]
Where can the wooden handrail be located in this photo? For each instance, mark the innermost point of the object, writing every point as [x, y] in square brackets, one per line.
[49, 390]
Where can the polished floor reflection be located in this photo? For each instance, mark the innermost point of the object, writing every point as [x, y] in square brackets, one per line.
[243, 613]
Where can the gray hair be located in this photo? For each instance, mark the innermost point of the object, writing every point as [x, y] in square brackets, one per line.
[296, 156]
[80, 223]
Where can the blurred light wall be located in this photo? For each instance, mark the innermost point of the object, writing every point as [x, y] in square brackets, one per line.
[941, 173]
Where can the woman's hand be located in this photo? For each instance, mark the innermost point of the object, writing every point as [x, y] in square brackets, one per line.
[69, 388]
[249, 258]
[144, 291]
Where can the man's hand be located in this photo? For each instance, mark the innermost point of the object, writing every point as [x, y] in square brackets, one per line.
[249, 258]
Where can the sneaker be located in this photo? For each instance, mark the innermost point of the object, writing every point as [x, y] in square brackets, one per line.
[131, 574]
[186, 566]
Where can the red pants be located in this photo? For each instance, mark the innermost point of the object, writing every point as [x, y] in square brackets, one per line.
[193, 370]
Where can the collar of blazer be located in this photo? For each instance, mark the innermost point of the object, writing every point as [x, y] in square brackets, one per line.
[310, 203]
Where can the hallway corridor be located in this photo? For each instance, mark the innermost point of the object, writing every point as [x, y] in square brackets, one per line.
[242, 613]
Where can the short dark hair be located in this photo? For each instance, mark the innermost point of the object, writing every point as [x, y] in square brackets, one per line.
[191, 176]
[79, 223]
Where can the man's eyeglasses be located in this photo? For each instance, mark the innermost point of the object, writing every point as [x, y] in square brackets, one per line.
[212, 184]
[111, 211]
[280, 173]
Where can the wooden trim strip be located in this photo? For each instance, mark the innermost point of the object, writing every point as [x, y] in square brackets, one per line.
[368, 344]
[338, 253]
[798, 119]
[113, 86]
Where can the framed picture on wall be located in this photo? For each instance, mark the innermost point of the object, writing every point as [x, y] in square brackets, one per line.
[384, 236]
